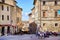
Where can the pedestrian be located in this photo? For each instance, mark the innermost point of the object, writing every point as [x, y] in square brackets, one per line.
[38, 34]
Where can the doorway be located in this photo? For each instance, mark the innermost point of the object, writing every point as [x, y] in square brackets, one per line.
[32, 27]
[2, 31]
[8, 29]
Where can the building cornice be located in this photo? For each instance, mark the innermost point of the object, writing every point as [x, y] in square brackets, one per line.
[44, 0]
[19, 8]
[34, 2]
[6, 4]
[15, 1]
[32, 8]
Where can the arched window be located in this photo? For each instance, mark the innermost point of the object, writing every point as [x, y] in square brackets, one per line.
[44, 2]
[2, 7]
[55, 13]
[7, 8]
[44, 14]
[7, 17]
[55, 2]
[2, 17]
[43, 24]
[56, 24]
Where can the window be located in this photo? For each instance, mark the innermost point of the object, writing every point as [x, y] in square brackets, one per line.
[55, 2]
[43, 24]
[7, 17]
[43, 2]
[55, 13]
[3, 1]
[7, 8]
[2, 17]
[56, 24]
[17, 19]
[58, 12]
[2, 7]
[44, 14]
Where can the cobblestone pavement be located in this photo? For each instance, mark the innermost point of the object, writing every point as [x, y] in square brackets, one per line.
[27, 37]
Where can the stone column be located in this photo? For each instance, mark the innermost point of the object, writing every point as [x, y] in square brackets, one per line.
[5, 32]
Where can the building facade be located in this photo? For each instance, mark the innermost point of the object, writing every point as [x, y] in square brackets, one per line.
[19, 18]
[32, 24]
[30, 18]
[47, 15]
[32, 15]
[7, 17]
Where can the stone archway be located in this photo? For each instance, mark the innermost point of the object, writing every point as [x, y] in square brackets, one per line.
[32, 27]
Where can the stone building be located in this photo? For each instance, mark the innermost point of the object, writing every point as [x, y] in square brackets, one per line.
[25, 26]
[47, 14]
[7, 17]
[19, 18]
[32, 24]
[32, 15]
[30, 18]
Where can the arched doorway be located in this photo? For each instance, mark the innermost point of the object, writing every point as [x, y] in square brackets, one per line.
[2, 31]
[32, 27]
[8, 29]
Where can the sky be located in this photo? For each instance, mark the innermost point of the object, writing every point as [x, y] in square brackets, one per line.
[26, 5]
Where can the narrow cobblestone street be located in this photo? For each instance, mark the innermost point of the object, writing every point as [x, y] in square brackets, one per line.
[27, 37]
